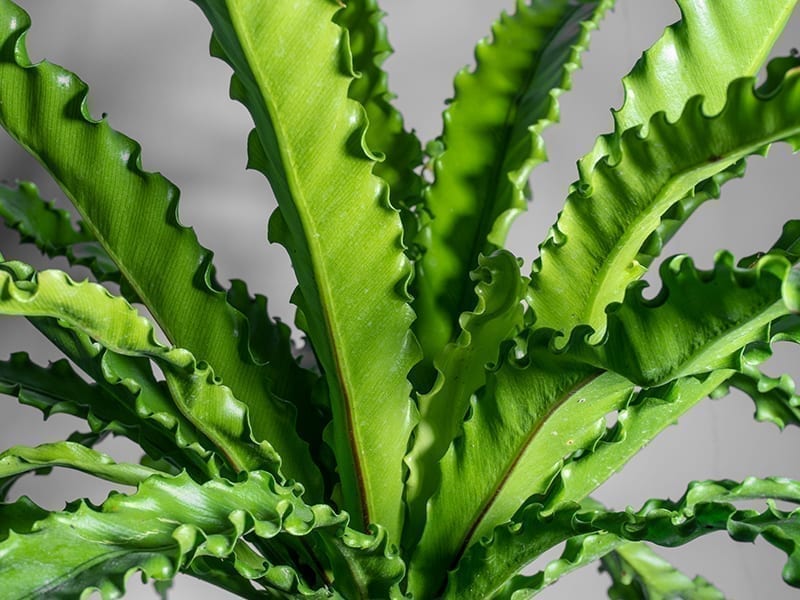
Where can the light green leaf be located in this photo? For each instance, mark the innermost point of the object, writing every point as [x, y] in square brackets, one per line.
[639, 573]
[461, 371]
[492, 141]
[713, 44]
[343, 236]
[23, 459]
[44, 108]
[645, 570]
[93, 311]
[706, 507]
[590, 256]
[162, 528]
[710, 189]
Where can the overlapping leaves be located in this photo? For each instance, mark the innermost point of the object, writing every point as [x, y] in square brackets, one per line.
[518, 403]
[152, 531]
[44, 108]
[622, 199]
[491, 143]
[144, 414]
[91, 310]
[706, 507]
[705, 320]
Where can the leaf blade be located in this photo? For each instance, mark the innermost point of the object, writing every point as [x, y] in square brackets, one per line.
[352, 295]
[621, 200]
[93, 311]
[501, 109]
[705, 507]
[44, 109]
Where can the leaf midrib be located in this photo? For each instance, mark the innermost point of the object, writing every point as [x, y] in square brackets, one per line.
[625, 251]
[508, 472]
[509, 129]
[324, 301]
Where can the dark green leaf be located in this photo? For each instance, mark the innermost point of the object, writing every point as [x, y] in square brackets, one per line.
[491, 142]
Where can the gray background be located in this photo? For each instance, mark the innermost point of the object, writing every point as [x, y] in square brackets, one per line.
[147, 64]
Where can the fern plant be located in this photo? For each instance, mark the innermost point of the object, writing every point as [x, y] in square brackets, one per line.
[446, 424]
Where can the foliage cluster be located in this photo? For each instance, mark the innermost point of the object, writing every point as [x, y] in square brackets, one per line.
[447, 425]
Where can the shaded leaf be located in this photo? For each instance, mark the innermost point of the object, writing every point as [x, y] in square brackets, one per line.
[461, 372]
[93, 311]
[52, 231]
[162, 528]
[386, 134]
[141, 414]
[491, 142]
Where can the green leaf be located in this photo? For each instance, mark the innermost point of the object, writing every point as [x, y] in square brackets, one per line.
[461, 371]
[678, 214]
[343, 236]
[710, 189]
[52, 231]
[492, 141]
[44, 108]
[579, 551]
[646, 570]
[590, 256]
[708, 320]
[698, 322]
[400, 149]
[640, 573]
[706, 507]
[163, 528]
[23, 459]
[270, 345]
[713, 44]
[700, 55]
[524, 423]
[269, 342]
[647, 414]
[90, 309]
[702, 324]
[774, 397]
[138, 410]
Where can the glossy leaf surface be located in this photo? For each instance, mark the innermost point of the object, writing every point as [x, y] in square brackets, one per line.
[152, 531]
[343, 236]
[706, 507]
[93, 311]
[590, 256]
[492, 141]
[45, 109]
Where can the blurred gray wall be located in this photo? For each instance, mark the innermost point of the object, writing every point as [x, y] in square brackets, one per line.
[147, 64]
